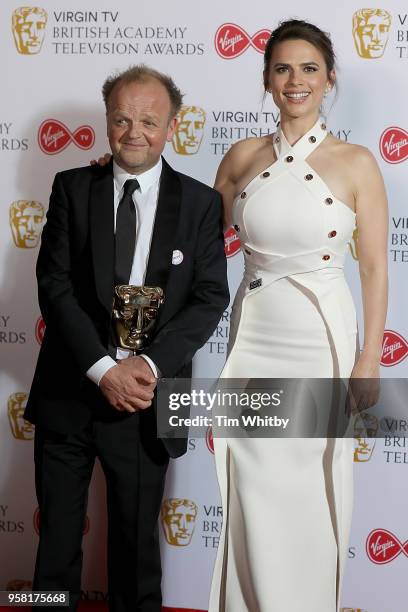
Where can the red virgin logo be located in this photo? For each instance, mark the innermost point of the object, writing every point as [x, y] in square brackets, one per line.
[394, 349]
[232, 243]
[382, 546]
[209, 440]
[39, 330]
[54, 137]
[231, 40]
[394, 145]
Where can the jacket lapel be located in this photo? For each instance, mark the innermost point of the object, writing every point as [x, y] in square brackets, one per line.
[102, 234]
[164, 230]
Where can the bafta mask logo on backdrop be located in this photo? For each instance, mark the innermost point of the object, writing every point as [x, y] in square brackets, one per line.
[370, 32]
[365, 431]
[53, 137]
[231, 40]
[29, 23]
[37, 518]
[394, 145]
[382, 546]
[189, 131]
[20, 428]
[394, 349]
[178, 517]
[39, 330]
[232, 244]
[26, 221]
[353, 245]
[19, 585]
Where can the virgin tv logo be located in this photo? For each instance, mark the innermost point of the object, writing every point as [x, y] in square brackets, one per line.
[232, 244]
[394, 349]
[231, 40]
[394, 145]
[209, 440]
[39, 330]
[54, 137]
[382, 546]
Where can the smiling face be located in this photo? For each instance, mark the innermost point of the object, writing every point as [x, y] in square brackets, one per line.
[298, 78]
[139, 124]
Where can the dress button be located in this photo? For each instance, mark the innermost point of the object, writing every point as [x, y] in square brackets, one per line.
[289, 158]
[277, 139]
[323, 126]
[308, 177]
[312, 139]
[332, 234]
[236, 228]
[328, 201]
[326, 257]
[266, 174]
[243, 195]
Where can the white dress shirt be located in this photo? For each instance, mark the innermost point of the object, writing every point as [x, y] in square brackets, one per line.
[145, 201]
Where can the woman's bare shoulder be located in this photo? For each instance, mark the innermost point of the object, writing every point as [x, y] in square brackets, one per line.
[242, 153]
[354, 153]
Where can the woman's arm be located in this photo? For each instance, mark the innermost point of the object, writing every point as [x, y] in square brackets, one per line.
[372, 225]
[225, 184]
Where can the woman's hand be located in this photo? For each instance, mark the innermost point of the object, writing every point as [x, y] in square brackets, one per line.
[102, 161]
[364, 385]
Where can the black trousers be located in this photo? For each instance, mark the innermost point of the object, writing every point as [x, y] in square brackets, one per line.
[134, 463]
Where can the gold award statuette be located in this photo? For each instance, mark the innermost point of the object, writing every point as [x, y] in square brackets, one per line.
[135, 310]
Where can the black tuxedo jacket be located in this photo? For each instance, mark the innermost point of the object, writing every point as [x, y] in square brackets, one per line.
[75, 272]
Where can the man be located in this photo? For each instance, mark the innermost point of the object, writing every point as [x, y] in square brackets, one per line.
[84, 403]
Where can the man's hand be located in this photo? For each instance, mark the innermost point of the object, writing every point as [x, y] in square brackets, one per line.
[102, 161]
[129, 386]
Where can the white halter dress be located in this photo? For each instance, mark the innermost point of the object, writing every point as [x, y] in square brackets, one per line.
[287, 502]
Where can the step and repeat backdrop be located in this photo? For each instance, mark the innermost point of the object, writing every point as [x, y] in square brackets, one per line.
[55, 57]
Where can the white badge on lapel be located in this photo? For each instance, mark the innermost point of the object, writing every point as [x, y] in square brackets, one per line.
[177, 257]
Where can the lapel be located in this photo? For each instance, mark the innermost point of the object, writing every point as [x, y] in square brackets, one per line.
[102, 233]
[164, 229]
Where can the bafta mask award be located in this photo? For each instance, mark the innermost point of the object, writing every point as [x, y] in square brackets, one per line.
[135, 310]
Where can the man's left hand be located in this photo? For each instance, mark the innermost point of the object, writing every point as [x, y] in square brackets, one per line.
[140, 369]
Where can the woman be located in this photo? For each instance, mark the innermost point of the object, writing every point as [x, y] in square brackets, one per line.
[295, 197]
